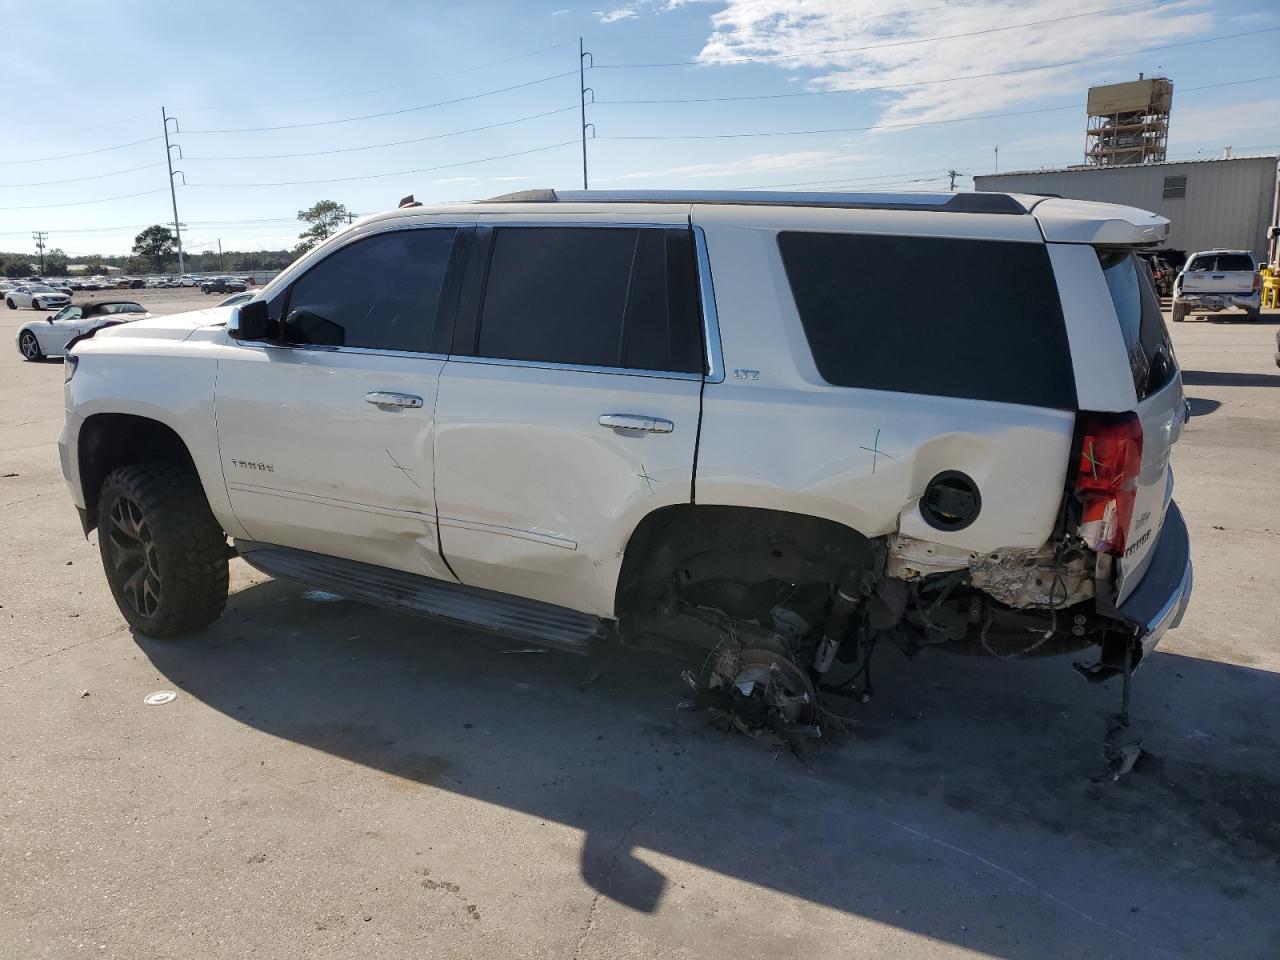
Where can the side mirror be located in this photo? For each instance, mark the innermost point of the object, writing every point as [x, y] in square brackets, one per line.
[250, 321]
[303, 326]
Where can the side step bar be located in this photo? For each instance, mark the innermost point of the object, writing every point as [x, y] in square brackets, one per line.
[530, 621]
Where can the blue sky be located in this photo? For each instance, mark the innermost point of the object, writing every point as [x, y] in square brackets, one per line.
[896, 91]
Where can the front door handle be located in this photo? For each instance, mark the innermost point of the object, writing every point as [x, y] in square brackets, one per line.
[382, 399]
[637, 422]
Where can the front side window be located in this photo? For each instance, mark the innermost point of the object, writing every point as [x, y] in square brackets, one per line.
[381, 293]
[593, 296]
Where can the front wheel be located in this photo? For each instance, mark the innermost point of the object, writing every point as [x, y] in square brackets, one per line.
[29, 346]
[1179, 312]
[164, 554]
[12, 305]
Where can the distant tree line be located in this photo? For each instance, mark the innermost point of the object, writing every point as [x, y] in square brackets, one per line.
[155, 250]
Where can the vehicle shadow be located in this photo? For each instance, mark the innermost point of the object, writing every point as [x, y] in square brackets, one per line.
[1222, 378]
[962, 805]
[1202, 407]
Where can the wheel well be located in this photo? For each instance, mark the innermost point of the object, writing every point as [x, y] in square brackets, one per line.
[679, 546]
[109, 441]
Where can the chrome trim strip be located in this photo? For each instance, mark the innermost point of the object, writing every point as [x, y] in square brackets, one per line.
[536, 536]
[576, 367]
[710, 317]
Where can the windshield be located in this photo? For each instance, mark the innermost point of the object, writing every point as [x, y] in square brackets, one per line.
[40, 288]
[68, 313]
[1222, 262]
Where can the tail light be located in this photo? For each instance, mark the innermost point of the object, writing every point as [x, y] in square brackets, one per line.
[1107, 467]
[1257, 282]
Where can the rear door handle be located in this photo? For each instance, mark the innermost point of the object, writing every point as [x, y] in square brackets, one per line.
[637, 422]
[382, 399]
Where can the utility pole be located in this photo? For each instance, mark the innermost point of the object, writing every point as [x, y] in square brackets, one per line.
[221, 268]
[996, 166]
[583, 90]
[953, 174]
[173, 192]
[351, 217]
[39, 236]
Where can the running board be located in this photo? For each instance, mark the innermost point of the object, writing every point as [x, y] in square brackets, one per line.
[530, 621]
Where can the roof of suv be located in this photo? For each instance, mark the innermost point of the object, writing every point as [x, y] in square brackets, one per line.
[1063, 221]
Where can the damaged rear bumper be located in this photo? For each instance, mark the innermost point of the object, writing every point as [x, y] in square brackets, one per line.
[1159, 601]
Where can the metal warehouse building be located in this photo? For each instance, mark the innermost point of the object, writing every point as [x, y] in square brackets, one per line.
[1226, 203]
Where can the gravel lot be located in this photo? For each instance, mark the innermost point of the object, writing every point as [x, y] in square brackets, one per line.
[334, 780]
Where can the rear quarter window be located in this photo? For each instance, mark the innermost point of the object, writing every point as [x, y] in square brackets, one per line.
[978, 319]
[1146, 338]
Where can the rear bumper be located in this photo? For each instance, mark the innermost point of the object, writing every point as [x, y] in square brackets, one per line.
[1213, 302]
[1159, 601]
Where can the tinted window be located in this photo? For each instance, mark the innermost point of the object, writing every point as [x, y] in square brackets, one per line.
[1141, 322]
[947, 317]
[381, 292]
[1175, 188]
[1222, 262]
[604, 297]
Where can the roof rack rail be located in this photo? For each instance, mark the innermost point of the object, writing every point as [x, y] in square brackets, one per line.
[945, 202]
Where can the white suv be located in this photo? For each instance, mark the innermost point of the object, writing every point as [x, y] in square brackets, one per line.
[783, 428]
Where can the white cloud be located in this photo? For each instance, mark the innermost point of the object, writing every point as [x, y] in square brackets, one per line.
[561, 12]
[613, 16]
[1227, 123]
[853, 44]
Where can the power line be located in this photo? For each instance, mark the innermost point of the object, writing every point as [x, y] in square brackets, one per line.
[899, 126]
[85, 203]
[921, 83]
[394, 86]
[882, 46]
[393, 173]
[395, 143]
[63, 133]
[96, 176]
[391, 113]
[85, 153]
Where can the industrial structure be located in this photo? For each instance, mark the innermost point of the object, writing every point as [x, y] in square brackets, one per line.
[1229, 202]
[1128, 122]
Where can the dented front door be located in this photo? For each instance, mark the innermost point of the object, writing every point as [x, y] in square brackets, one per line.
[331, 451]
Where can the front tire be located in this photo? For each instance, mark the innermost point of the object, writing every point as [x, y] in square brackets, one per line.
[164, 554]
[1179, 312]
[29, 346]
[12, 305]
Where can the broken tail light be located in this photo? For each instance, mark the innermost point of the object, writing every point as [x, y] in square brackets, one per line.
[1107, 467]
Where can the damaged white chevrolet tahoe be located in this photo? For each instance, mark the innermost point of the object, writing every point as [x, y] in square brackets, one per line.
[765, 432]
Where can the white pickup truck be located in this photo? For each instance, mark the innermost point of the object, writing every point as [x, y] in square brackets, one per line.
[1217, 280]
[726, 425]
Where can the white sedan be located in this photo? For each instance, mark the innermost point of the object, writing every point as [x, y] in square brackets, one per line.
[37, 296]
[50, 336]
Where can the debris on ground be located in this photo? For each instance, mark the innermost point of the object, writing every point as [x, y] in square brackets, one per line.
[159, 698]
[83, 694]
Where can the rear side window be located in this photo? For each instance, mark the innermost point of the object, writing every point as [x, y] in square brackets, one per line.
[381, 293]
[1222, 262]
[947, 317]
[1141, 321]
[593, 296]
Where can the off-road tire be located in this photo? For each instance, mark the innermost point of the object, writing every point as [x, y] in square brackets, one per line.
[181, 552]
[1179, 312]
[22, 347]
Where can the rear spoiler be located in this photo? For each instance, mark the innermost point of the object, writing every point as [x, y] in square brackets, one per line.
[1105, 224]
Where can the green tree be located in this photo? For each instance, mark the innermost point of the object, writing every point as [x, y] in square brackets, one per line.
[137, 265]
[324, 219]
[55, 262]
[16, 265]
[157, 244]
